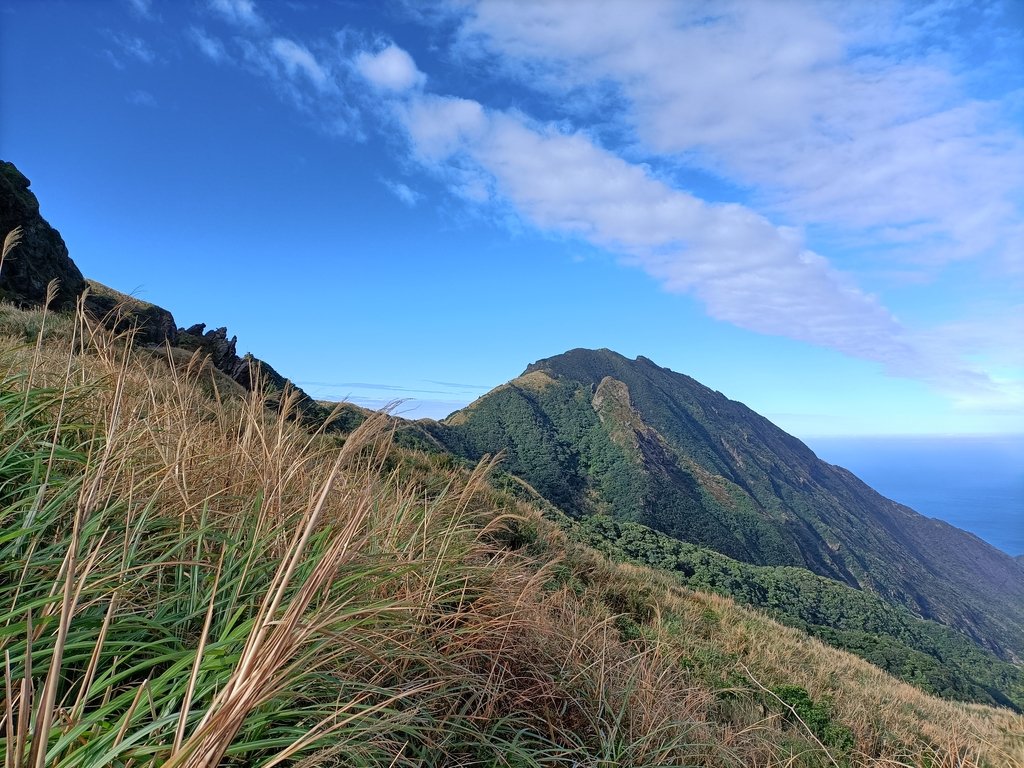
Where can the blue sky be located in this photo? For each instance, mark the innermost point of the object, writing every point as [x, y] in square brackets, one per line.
[811, 207]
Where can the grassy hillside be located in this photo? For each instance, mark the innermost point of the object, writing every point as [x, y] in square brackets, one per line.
[926, 654]
[187, 579]
[595, 433]
[931, 656]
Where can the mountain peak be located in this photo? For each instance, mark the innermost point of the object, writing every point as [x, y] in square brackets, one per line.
[576, 359]
[590, 366]
[606, 434]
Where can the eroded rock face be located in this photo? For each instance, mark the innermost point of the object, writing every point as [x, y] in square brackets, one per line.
[41, 255]
[215, 344]
[151, 325]
[248, 371]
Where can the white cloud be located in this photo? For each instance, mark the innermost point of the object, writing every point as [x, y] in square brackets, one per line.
[211, 46]
[311, 82]
[743, 268]
[403, 192]
[989, 342]
[391, 69]
[131, 47]
[113, 58]
[832, 115]
[240, 12]
[442, 125]
[296, 58]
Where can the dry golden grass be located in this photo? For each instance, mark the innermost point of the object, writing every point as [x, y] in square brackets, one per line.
[892, 722]
[192, 581]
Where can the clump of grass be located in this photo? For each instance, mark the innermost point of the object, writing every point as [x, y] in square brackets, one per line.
[11, 240]
[29, 325]
[187, 579]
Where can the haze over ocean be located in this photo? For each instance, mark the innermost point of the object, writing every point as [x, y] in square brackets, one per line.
[974, 483]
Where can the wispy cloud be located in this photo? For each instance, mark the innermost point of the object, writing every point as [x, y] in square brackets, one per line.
[297, 59]
[239, 12]
[129, 47]
[745, 270]
[353, 385]
[308, 74]
[409, 402]
[143, 8]
[357, 386]
[856, 118]
[403, 192]
[454, 385]
[990, 341]
[412, 408]
[211, 46]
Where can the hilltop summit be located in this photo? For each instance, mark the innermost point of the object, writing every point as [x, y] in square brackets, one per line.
[597, 433]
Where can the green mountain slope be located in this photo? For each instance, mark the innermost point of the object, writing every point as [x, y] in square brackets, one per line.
[931, 656]
[594, 432]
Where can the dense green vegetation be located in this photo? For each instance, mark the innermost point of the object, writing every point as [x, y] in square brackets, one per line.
[554, 439]
[595, 433]
[818, 716]
[933, 657]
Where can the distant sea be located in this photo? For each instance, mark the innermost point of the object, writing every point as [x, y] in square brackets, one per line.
[974, 483]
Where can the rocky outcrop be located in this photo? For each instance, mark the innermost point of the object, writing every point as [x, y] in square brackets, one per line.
[248, 371]
[152, 325]
[41, 256]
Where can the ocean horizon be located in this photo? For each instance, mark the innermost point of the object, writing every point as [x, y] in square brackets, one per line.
[974, 483]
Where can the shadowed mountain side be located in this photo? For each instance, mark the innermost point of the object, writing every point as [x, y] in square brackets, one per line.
[595, 432]
[41, 256]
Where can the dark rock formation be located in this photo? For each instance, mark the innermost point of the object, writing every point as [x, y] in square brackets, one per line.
[41, 256]
[152, 325]
[248, 371]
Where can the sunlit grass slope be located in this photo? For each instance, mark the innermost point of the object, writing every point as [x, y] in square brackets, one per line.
[187, 579]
